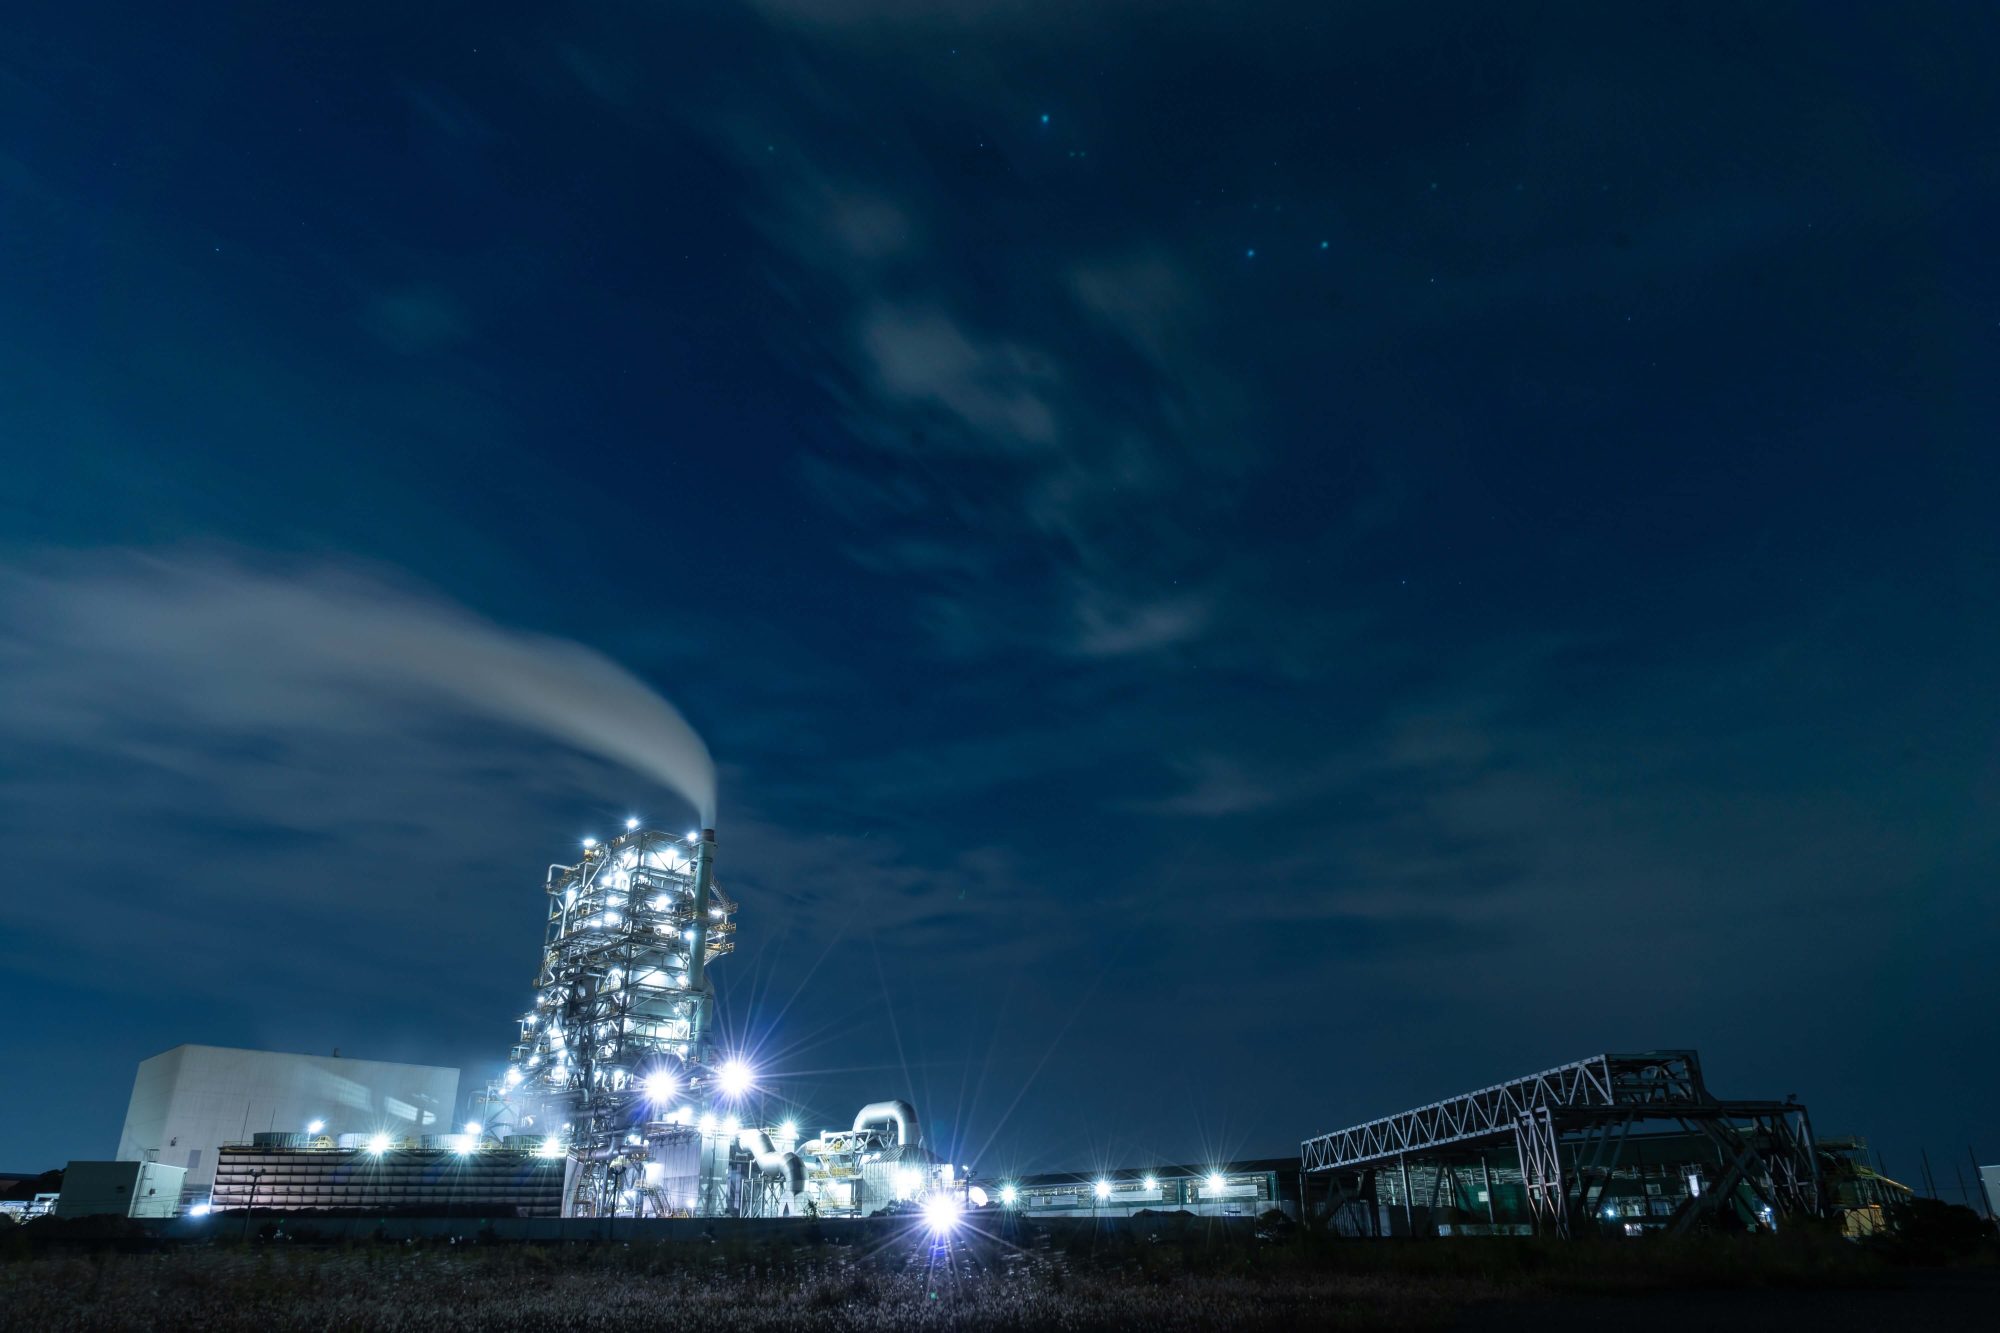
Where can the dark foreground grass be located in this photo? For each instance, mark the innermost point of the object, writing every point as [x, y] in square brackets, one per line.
[1053, 1277]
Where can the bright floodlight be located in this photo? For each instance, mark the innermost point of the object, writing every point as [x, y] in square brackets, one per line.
[197, 1210]
[513, 1077]
[940, 1213]
[707, 1121]
[551, 1147]
[589, 843]
[316, 1126]
[735, 1077]
[1009, 1195]
[661, 1086]
[632, 823]
[474, 1128]
[1103, 1189]
[1151, 1182]
[730, 1124]
[378, 1144]
[1214, 1181]
[789, 1130]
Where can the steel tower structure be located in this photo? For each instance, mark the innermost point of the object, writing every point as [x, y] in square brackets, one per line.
[620, 1024]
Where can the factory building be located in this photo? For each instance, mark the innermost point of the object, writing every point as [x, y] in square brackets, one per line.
[1233, 1189]
[120, 1189]
[187, 1103]
[1617, 1144]
[1856, 1191]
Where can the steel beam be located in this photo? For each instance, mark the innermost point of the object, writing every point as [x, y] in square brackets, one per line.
[1661, 1079]
[1766, 1156]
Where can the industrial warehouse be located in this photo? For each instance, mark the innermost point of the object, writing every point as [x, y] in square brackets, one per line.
[617, 1103]
[1632, 1142]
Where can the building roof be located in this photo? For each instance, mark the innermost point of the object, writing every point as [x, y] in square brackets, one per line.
[1280, 1165]
[297, 1055]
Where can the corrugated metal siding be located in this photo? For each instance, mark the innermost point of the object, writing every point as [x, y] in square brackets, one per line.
[507, 1181]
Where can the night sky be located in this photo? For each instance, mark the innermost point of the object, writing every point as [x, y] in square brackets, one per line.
[1244, 566]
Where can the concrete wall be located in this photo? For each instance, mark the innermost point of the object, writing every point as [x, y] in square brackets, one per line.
[188, 1102]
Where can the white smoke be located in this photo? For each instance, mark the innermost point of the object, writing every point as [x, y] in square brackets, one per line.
[133, 638]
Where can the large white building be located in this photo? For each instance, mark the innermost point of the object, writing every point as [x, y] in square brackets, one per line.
[188, 1102]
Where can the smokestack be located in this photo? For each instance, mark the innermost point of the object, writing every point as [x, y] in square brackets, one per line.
[704, 881]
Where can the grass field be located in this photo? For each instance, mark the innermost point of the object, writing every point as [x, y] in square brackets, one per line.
[1055, 1276]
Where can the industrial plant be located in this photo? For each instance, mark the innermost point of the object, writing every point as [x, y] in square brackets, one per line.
[620, 1099]
[617, 1100]
[618, 1071]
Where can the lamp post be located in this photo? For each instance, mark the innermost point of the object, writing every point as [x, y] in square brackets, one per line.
[255, 1176]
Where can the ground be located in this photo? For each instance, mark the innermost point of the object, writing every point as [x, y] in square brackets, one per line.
[1069, 1278]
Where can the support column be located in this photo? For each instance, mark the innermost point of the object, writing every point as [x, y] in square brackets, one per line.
[1409, 1207]
[1541, 1171]
[704, 883]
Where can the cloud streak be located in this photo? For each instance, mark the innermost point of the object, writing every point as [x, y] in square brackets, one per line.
[111, 647]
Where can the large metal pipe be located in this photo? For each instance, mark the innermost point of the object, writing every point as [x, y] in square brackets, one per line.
[789, 1166]
[900, 1114]
[704, 883]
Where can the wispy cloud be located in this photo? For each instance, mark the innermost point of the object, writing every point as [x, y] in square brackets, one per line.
[112, 650]
[1217, 785]
[994, 394]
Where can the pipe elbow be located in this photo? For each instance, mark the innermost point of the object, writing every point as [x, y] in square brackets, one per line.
[898, 1113]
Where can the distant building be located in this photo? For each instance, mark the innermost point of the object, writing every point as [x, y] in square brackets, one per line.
[120, 1189]
[1229, 1189]
[30, 1208]
[1855, 1192]
[24, 1196]
[190, 1101]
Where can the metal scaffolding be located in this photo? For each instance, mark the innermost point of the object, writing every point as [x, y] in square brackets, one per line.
[620, 1026]
[616, 1071]
[1574, 1131]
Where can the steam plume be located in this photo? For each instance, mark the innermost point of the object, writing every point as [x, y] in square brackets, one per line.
[221, 644]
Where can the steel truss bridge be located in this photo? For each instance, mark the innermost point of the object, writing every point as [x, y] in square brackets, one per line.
[1570, 1129]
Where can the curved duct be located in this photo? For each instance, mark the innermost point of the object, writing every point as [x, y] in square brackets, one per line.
[771, 1162]
[900, 1114]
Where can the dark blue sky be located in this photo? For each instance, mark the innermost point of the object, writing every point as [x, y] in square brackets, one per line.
[1244, 566]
